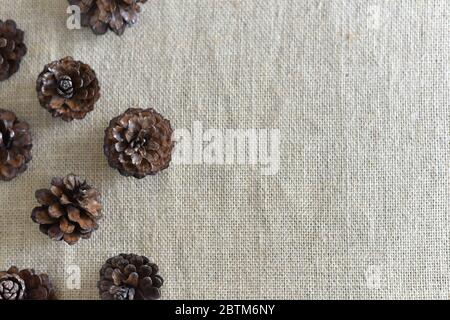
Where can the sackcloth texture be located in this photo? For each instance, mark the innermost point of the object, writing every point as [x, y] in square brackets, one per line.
[359, 92]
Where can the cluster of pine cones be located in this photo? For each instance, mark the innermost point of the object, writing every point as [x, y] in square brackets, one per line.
[137, 143]
[25, 285]
[123, 277]
[99, 15]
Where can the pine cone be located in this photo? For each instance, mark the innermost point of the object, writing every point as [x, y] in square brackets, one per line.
[130, 277]
[102, 15]
[68, 89]
[69, 211]
[12, 48]
[12, 287]
[139, 143]
[15, 145]
[25, 285]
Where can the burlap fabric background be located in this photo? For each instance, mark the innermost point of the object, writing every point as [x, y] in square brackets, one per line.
[359, 90]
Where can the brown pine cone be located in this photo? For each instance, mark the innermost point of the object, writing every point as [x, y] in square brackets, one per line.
[68, 89]
[25, 285]
[102, 15]
[12, 48]
[139, 143]
[12, 287]
[69, 211]
[15, 145]
[130, 277]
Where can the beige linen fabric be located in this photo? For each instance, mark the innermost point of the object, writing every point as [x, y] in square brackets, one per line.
[359, 91]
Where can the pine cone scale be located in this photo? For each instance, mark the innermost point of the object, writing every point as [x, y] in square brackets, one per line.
[45, 197]
[65, 225]
[41, 216]
[55, 210]
[55, 233]
[72, 238]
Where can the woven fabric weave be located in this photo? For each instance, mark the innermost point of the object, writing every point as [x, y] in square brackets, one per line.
[359, 92]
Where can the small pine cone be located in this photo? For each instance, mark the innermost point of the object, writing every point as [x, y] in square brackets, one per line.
[25, 285]
[12, 287]
[114, 15]
[68, 89]
[139, 143]
[130, 277]
[69, 211]
[15, 145]
[12, 48]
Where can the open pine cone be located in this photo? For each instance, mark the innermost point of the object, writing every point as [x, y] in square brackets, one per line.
[25, 285]
[102, 15]
[12, 48]
[15, 145]
[130, 277]
[69, 211]
[139, 143]
[68, 89]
